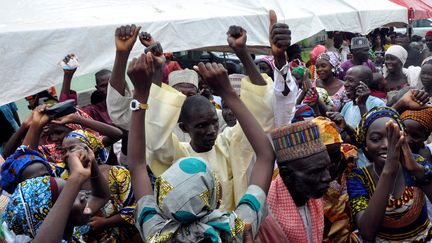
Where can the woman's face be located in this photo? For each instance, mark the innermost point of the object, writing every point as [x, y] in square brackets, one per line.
[54, 133]
[416, 135]
[71, 144]
[377, 41]
[426, 77]
[376, 141]
[392, 63]
[323, 69]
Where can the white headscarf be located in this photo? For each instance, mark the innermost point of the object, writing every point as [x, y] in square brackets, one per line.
[399, 52]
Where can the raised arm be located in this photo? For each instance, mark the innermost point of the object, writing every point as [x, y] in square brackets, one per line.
[216, 76]
[237, 41]
[16, 140]
[111, 133]
[39, 120]
[125, 37]
[100, 192]
[141, 72]
[68, 72]
[53, 227]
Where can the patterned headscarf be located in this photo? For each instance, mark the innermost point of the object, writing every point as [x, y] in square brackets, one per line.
[328, 132]
[15, 164]
[187, 196]
[316, 51]
[374, 114]
[93, 142]
[302, 112]
[424, 117]
[30, 204]
[333, 59]
[299, 70]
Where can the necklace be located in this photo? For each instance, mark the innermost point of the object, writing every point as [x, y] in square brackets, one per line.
[392, 198]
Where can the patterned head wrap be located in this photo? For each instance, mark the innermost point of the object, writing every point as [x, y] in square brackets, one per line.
[187, 196]
[328, 132]
[303, 112]
[93, 142]
[30, 204]
[15, 164]
[333, 59]
[374, 114]
[295, 141]
[424, 117]
[299, 70]
[316, 51]
[269, 60]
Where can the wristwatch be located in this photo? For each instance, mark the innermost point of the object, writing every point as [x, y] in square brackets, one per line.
[135, 105]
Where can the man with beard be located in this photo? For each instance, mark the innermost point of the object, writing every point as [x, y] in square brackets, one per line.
[295, 196]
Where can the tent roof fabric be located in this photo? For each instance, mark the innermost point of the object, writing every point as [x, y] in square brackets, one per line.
[421, 9]
[35, 35]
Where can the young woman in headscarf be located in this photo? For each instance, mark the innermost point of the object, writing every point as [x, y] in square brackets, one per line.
[27, 175]
[313, 55]
[395, 74]
[387, 197]
[418, 125]
[327, 67]
[114, 222]
[184, 205]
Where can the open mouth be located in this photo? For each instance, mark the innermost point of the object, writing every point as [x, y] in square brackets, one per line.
[383, 156]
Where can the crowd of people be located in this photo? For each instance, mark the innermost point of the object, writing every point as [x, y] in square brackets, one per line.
[335, 149]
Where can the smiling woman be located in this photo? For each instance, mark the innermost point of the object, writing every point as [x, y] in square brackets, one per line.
[387, 197]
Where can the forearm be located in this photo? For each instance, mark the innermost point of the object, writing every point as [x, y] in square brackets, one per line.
[399, 106]
[250, 67]
[118, 80]
[52, 228]
[100, 192]
[15, 141]
[114, 221]
[263, 169]
[363, 109]
[371, 219]
[104, 129]
[137, 151]
[31, 139]
[67, 80]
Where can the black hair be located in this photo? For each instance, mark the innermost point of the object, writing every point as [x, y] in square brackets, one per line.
[96, 97]
[191, 105]
[101, 73]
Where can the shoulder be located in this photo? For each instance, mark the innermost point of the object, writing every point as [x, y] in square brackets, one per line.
[374, 101]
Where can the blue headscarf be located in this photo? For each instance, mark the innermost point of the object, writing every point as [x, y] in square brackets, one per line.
[15, 164]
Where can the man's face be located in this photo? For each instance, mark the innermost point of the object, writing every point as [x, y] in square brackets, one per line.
[186, 89]
[361, 54]
[352, 80]
[102, 83]
[428, 40]
[402, 41]
[202, 126]
[309, 176]
[426, 77]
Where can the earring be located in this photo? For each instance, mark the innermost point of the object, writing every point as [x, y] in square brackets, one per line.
[333, 70]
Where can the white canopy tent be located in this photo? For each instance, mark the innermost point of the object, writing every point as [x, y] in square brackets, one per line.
[35, 35]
